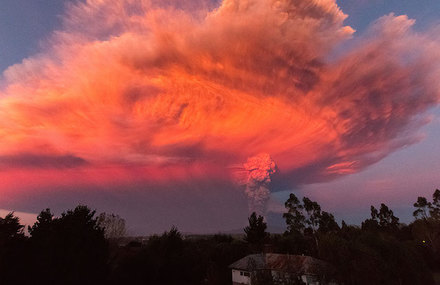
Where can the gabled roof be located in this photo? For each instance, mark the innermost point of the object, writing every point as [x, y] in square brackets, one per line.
[297, 264]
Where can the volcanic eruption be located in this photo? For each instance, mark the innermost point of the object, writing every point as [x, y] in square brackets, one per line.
[259, 169]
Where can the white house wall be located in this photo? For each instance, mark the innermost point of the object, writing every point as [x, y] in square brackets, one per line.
[309, 280]
[240, 279]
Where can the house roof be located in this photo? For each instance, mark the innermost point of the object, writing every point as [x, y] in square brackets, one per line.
[298, 264]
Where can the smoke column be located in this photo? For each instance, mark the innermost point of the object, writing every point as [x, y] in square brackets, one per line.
[259, 171]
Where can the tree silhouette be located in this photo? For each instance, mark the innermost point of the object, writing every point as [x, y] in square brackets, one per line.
[422, 208]
[435, 210]
[113, 225]
[306, 220]
[13, 250]
[381, 220]
[256, 230]
[426, 228]
[327, 223]
[43, 227]
[70, 249]
[425, 209]
[294, 217]
[10, 228]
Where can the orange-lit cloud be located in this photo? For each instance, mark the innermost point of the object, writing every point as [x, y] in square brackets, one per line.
[134, 84]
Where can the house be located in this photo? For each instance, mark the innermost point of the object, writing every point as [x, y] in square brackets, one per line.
[280, 268]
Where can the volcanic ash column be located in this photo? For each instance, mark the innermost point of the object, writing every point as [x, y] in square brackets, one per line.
[259, 169]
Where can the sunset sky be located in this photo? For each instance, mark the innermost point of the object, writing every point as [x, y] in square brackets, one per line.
[193, 113]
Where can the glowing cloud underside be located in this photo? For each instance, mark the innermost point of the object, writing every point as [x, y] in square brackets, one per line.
[177, 93]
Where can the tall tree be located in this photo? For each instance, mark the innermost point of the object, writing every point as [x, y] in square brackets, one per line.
[307, 216]
[425, 209]
[422, 208]
[306, 220]
[256, 230]
[435, 206]
[70, 249]
[43, 226]
[381, 220]
[426, 228]
[13, 250]
[313, 214]
[312, 219]
[327, 223]
[387, 220]
[294, 217]
[10, 228]
[113, 225]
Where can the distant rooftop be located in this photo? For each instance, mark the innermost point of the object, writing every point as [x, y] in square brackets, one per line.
[281, 262]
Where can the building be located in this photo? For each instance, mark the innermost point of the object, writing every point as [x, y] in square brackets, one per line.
[280, 268]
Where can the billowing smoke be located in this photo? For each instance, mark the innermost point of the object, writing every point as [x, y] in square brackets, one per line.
[259, 171]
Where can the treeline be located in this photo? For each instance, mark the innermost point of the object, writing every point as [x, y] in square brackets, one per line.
[379, 251]
[80, 247]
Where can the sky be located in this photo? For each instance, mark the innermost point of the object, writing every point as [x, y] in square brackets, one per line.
[194, 113]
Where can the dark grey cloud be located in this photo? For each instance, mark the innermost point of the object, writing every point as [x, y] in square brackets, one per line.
[30, 160]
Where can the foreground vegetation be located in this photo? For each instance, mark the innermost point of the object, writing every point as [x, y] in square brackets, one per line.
[80, 247]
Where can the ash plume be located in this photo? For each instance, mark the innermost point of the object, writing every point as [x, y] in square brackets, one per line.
[259, 170]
